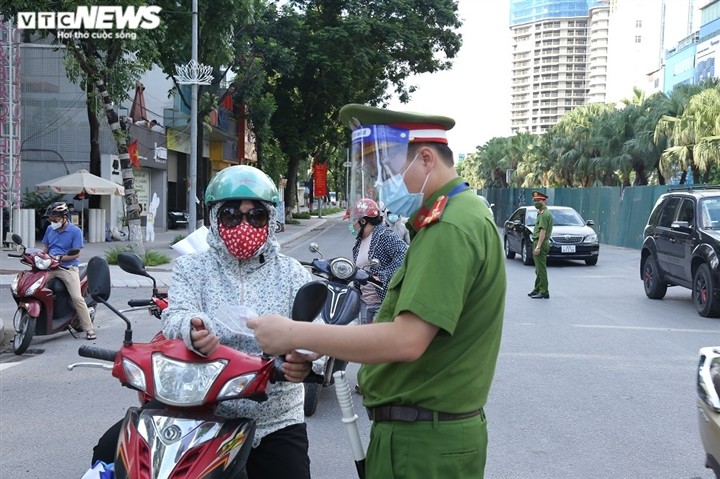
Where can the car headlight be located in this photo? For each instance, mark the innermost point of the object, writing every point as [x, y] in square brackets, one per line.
[590, 239]
[33, 287]
[180, 383]
[708, 379]
[342, 268]
[42, 263]
[14, 284]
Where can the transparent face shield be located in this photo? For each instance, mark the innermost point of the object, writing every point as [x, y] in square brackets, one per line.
[379, 152]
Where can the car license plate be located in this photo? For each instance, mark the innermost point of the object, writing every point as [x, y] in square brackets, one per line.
[567, 248]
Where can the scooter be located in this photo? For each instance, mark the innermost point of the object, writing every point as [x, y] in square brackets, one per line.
[158, 301]
[342, 306]
[44, 306]
[181, 437]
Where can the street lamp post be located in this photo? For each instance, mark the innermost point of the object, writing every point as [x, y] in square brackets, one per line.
[193, 74]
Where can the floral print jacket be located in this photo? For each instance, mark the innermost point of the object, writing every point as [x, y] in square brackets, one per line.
[207, 283]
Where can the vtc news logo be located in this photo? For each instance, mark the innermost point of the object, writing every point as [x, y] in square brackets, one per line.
[92, 18]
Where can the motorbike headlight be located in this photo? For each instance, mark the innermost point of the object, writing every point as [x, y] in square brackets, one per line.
[14, 284]
[708, 379]
[590, 239]
[179, 383]
[33, 287]
[342, 268]
[134, 375]
[42, 263]
[235, 386]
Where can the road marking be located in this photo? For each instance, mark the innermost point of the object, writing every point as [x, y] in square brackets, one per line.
[597, 357]
[4, 366]
[648, 328]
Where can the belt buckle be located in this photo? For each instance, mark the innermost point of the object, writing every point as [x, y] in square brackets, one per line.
[404, 413]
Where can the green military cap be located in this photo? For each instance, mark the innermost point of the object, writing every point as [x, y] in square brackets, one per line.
[423, 128]
[539, 196]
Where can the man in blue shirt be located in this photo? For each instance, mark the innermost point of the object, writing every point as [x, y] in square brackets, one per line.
[60, 237]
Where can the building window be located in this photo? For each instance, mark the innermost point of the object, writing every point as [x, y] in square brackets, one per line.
[638, 39]
[638, 23]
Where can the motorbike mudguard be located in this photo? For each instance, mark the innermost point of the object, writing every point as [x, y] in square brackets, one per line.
[342, 305]
[181, 445]
[33, 307]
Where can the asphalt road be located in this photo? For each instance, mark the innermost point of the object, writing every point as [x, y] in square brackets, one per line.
[596, 382]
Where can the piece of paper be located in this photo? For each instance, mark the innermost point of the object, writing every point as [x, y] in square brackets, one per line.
[195, 242]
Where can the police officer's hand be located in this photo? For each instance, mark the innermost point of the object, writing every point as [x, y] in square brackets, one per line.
[273, 333]
[536, 251]
[201, 338]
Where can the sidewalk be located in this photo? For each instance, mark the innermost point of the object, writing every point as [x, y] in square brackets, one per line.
[162, 273]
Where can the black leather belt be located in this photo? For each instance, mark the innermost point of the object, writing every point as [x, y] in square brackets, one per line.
[414, 413]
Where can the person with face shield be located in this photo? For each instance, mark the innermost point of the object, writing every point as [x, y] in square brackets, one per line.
[429, 357]
[243, 267]
[373, 240]
[397, 225]
[60, 237]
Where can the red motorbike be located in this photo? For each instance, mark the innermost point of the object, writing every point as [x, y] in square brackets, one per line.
[44, 305]
[156, 304]
[178, 435]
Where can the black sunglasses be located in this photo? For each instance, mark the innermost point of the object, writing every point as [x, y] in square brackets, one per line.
[231, 216]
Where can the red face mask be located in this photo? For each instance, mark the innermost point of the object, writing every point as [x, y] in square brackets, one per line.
[243, 240]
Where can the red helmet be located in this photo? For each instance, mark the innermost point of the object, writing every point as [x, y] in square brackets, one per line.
[364, 208]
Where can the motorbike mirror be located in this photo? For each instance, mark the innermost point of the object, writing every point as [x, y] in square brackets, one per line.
[98, 273]
[17, 239]
[313, 247]
[309, 301]
[132, 263]
[73, 252]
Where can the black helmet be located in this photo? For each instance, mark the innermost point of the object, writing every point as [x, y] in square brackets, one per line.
[59, 208]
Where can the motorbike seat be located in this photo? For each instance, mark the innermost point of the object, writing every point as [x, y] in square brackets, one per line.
[57, 286]
[82, 270]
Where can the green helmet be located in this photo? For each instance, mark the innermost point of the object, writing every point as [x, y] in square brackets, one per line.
[241, 182]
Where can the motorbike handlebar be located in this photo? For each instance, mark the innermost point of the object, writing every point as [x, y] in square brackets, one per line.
[312, 377]
[135, 303]
[97, 353]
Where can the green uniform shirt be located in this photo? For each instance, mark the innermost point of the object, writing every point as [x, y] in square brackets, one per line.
[453, 277]
[544, 221]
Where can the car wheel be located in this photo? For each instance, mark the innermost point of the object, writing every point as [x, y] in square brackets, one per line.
[527, 256]
[705, 302]
[591, 261]
[509, 254]
[655, 287]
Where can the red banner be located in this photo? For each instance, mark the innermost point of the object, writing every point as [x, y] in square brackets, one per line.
[320, 177]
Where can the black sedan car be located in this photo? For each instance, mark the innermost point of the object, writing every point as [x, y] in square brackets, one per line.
[572, 237]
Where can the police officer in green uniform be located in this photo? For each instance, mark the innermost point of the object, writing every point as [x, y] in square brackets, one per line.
[429, 358]
[541, 245]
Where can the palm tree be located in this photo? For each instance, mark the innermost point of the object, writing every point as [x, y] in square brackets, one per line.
[694, 136]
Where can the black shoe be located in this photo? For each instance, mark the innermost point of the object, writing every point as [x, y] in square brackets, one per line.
[532, 292]
[541, 296]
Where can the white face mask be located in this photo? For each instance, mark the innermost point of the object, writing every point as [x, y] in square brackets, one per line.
[56, 226]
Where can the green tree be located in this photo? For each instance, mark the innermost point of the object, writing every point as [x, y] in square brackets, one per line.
[321, 54]
[106, 69]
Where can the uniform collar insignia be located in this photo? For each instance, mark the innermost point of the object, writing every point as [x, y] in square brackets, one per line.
[428, 216]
